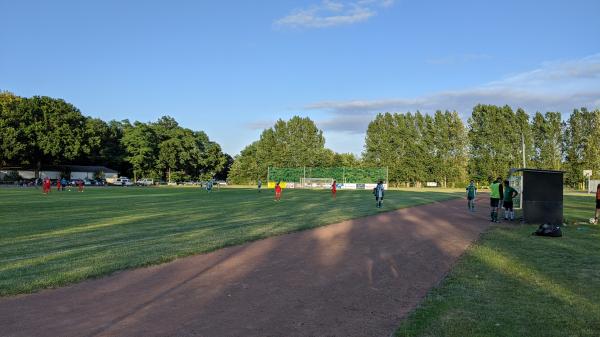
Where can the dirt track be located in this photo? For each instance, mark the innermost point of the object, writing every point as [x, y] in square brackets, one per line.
[354, 278]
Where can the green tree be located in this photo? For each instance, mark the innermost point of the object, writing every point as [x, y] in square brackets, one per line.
[547, 136]
[293, 143]
[13, 140]
[41, 130]
[495, 141]
[141, 145]
[450, 148]
[582, 145]
[246, 168]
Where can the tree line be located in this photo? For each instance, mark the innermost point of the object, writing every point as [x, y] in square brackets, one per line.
[418, 148]
[41, 131]
[414, 147]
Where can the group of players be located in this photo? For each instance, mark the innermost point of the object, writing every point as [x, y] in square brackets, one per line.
[60, 185]
[378, 192]
[501, 196]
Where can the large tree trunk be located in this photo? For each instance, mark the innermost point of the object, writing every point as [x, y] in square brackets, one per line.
[38, 168]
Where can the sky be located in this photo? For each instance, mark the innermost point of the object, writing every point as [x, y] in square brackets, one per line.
[232, 68]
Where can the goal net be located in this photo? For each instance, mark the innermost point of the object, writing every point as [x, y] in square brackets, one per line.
[320, 177]
[316, 182]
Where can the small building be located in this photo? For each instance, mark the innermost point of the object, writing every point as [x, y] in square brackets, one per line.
[542, 196]
[55, 172]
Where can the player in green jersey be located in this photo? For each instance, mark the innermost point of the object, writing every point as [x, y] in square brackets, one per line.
[509, 194]
[494, 200]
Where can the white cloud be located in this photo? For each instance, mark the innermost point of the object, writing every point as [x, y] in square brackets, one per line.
[330, 13]
[555, 86]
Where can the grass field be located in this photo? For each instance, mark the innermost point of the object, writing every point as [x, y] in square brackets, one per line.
[515, 284]
[65, 237]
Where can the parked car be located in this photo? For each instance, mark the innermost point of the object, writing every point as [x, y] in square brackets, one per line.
[100, 182]
[89, 182]
[123, 181]
[145, 182]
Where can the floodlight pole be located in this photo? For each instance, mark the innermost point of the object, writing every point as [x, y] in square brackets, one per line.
[387, 175]
[523, 149]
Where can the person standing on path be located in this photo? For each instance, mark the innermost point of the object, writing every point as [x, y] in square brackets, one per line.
[378, 192]
[259, 185]
[494, 200]
[277, 192]
[471, 194]
[508, 196]
[501, 189]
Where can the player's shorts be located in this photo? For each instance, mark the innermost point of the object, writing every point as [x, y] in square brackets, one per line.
[494, 202]
[508, 205]
[597, 203]
[470, 197]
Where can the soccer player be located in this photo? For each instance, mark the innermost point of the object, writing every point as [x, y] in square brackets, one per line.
[209, 185]
[509, 194]
[259, 185]
[494, 200]
[378, 192]
[80, 185]
[47, 185]
[277, 192]
[58, 184]
[471, 194]
[334, 189]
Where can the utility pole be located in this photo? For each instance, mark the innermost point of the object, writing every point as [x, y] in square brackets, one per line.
[523, 149]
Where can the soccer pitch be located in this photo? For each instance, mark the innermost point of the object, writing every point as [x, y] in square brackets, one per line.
[65, 237]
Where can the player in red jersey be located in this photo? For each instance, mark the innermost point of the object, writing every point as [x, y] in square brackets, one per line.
[334, 189]
[277, 192]
[46, 185]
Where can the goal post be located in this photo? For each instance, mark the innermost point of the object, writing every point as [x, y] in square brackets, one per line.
[516, 182]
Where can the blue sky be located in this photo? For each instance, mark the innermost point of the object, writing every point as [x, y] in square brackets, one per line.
[231, 68]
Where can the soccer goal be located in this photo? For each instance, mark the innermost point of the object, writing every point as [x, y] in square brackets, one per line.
[316, 182]
[323, 177]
